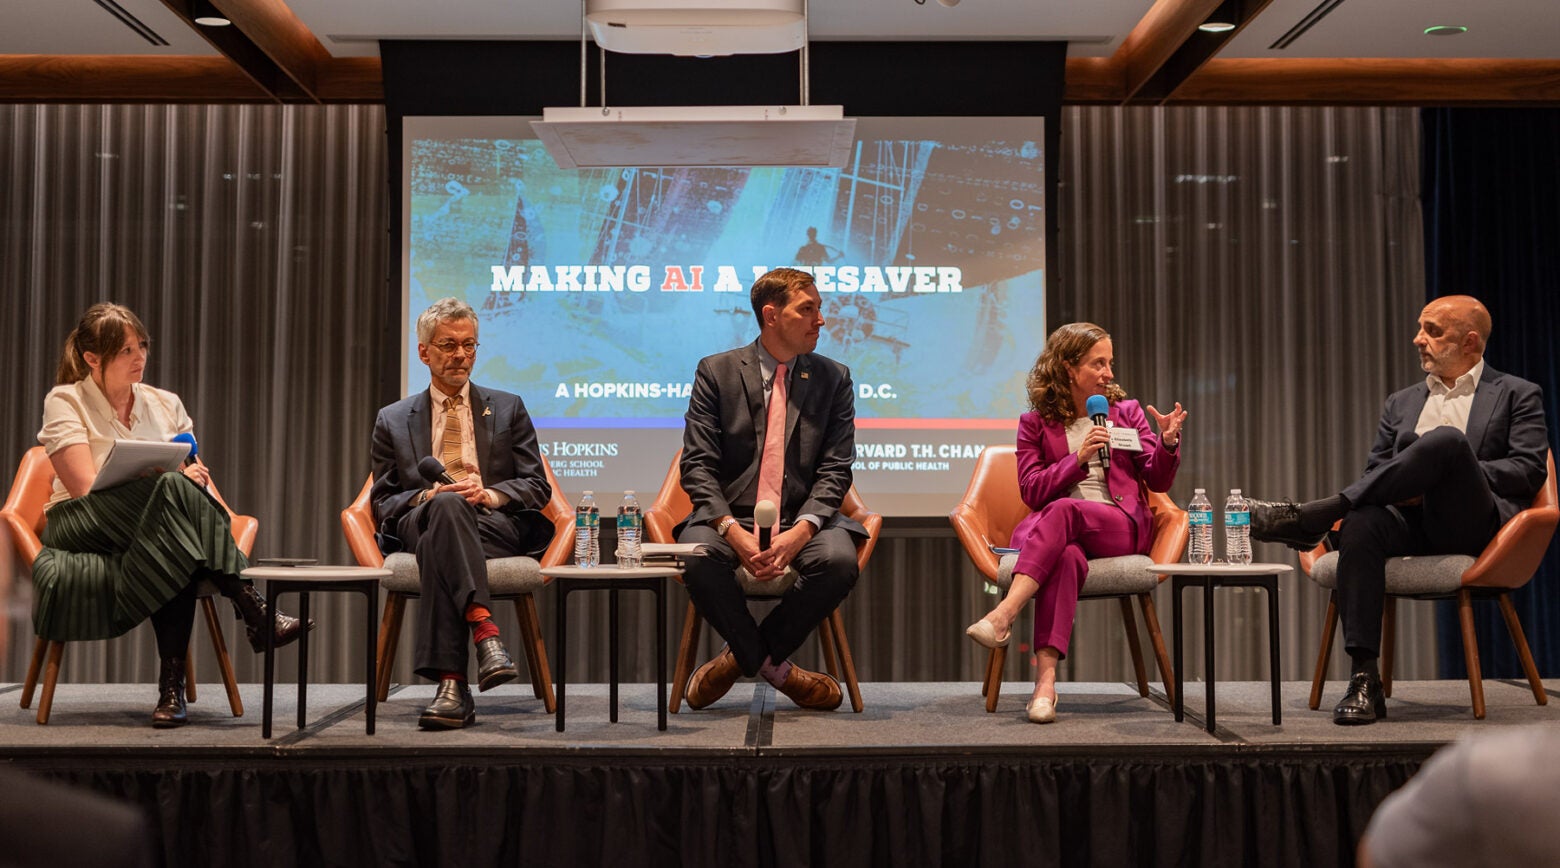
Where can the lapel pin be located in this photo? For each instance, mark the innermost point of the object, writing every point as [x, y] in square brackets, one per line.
[804, 375]
[487, 411]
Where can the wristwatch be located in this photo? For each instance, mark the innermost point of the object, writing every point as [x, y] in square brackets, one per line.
[725, 525]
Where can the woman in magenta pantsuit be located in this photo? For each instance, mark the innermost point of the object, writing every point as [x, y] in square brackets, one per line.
[1081, 511]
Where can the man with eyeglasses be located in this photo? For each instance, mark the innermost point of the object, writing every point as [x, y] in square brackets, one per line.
[487, 445]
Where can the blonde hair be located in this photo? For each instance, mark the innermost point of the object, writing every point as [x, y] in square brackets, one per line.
[1049, 385]
[101, 331]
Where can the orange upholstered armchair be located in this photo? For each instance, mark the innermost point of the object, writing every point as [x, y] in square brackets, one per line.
[672, 506]
[992, 507]
[25, 517]
[513, 579]
[1507, 563]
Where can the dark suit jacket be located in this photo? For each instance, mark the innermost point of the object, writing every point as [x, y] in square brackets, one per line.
[506, 454]
[1505, 428]
[723, 437]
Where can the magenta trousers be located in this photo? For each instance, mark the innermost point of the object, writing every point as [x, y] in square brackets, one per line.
[1056, 552]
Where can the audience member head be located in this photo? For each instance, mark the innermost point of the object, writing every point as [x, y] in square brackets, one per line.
[1075, 363]
[97, 345]
[789, 312]
[447, 343]
[1453, 331]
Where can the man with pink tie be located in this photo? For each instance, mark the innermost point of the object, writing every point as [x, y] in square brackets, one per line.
[770, 421]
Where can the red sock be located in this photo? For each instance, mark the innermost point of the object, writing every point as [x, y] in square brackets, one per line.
[453, 676]
[481, 621]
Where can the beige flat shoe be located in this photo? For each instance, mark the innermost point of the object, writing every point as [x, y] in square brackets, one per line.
[984, 633]
[1041, 710]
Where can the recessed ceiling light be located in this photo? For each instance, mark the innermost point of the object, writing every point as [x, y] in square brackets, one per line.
[1216, 26]
[1445, 30]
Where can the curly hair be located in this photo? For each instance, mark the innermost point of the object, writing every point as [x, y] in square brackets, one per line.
[1049, 385]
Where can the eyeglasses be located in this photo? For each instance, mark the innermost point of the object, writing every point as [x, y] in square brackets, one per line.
[449, 347]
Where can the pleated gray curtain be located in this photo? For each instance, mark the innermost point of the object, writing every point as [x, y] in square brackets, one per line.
[1260, 265]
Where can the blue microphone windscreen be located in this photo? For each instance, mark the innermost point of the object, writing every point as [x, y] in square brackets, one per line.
[188, 439]
[1097, 406]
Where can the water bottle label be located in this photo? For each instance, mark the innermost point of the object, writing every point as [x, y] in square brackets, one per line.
[581, 521]
[1237, 519]
[1199, 518]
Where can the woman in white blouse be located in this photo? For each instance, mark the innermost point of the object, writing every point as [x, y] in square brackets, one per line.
[115, 557]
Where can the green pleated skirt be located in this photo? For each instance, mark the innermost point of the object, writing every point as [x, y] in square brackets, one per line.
[111, 558]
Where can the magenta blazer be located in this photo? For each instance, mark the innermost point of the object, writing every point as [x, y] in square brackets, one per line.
[1047, 470]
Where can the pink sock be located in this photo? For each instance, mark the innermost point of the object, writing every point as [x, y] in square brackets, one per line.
[775, 673]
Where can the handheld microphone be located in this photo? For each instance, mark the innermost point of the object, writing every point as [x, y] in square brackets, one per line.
[187, 439]
[765, 514]
[433, 470]
[1098, 409]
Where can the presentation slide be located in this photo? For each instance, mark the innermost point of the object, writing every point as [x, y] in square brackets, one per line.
[599, 290]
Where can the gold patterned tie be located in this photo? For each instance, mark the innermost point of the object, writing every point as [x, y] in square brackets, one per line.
[451, 452]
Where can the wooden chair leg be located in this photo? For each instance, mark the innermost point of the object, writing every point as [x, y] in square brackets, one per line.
[1470, 641]
[685, 650]
[1519, 639]
[1388, 642]
[1329, 626]
[831, 662]
[535, 651]
[224, 661]
[1157, 637]
[189, 672]
[51, 676]
[994, 677]
[985, 675]
[389, 636]
[34, 666]
[1133, 645]
[847, 662]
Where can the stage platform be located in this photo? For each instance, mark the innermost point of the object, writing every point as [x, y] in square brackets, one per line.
[924, 776]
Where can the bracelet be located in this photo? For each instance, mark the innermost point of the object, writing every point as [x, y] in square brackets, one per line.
[725, 525]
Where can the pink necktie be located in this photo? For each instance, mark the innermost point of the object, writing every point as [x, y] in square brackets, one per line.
[771, 468]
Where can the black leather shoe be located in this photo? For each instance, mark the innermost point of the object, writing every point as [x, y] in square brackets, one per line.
[1280, 522]
[493, 664]
[1363, 703]
[170, 710]
[452, 707]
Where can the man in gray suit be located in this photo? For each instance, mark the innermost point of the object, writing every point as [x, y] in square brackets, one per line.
[486, 444]
[728, 433]
[1455, 457]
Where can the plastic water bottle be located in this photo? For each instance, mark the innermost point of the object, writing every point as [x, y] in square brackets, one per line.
[1199, 549]
[1237, 529]
[630, 524]
[587, 530]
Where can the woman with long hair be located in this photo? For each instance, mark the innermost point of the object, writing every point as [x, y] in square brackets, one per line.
[116, 557]
[1080, 509]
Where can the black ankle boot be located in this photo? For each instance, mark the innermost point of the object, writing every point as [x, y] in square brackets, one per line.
[251, 608]
[170, 710]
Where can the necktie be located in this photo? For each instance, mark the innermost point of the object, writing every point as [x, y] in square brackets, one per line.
[450, 451]
[771, 467]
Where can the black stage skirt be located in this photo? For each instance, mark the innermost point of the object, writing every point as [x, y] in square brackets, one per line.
[111, 558]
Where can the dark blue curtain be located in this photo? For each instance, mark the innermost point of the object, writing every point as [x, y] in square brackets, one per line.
[1490, 183]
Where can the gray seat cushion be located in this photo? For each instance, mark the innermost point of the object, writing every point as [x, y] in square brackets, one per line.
[1107, 576]
[1424, 574]
[505, 575]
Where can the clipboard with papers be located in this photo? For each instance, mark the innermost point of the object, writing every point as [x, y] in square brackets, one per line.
[130, 459]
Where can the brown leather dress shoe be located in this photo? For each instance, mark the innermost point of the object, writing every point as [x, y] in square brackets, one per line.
[814, 691]
[712, 680]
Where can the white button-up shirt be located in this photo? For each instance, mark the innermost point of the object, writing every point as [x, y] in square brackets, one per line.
[1449, 405]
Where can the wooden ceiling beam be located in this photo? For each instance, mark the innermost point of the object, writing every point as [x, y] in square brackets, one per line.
[268, 41]
[91, 78]
[1156, 38]
[1372, 81]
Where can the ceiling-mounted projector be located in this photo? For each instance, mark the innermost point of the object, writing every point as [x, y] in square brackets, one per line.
[697, 28]
[815, 136]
